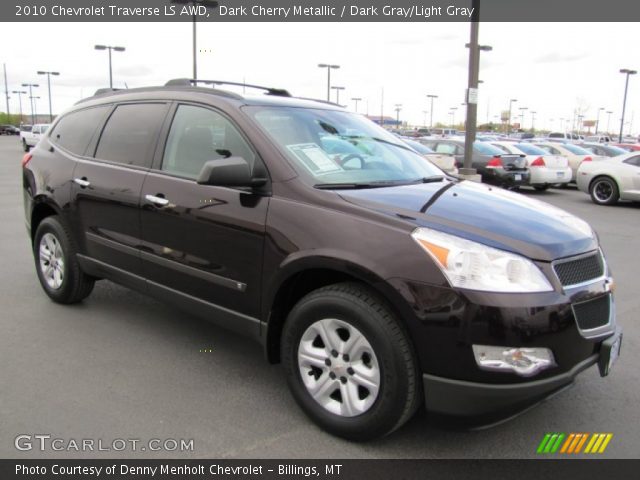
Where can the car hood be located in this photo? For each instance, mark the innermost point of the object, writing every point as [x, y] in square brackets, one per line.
[489, 215]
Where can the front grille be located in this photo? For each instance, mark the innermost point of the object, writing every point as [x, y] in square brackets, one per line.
[583, 269]
[592, 313]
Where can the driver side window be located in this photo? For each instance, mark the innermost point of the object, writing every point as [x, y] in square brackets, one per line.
[198, 135]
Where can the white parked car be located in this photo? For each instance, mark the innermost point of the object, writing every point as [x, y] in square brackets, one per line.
[446, 163]
[611, 179]
[545, 169]
[598, 139]
[31, 137]
[573, 153]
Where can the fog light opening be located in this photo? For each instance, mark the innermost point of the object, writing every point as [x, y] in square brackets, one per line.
[525, 362]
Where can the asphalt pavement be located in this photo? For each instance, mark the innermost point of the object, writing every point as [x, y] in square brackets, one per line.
[123, 366]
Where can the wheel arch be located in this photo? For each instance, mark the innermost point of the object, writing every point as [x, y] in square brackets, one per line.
[41, 210]
[308, 274]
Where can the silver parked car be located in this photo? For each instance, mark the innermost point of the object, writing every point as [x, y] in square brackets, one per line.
[611, 179]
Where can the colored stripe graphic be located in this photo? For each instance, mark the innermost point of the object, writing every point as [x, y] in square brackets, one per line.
[550, 443]
[573, 443]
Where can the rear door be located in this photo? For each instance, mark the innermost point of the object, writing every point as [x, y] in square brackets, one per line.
[203, 241]
[107, 184]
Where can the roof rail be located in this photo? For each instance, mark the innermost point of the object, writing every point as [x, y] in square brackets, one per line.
[186, 82]
[326, 102]
[100, 91]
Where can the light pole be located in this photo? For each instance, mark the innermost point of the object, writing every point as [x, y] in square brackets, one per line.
[48, 74]
[522, 110]
[108, 47]
[580, 117]
[627, 72]
[452, 112]
[424, 120]
[35, 110]
[20, 93]
[431, 111]
[356, 100]
[329, 67]
[509, 121]
[205, 3]
[471, 99]
[609, 112]
[398, 108]
[337, 89]
[533, 120]
[598, 120]
[31, 87]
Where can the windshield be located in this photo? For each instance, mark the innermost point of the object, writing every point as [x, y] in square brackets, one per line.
[339, 148]
[575, 149]
[530, 149]
[616, 150]
[418, 147]
[486, 149]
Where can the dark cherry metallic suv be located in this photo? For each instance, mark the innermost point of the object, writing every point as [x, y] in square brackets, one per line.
[379, 282]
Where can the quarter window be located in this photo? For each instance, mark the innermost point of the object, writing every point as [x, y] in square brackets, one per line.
[74, 131]
[130, 134]
[198, 135]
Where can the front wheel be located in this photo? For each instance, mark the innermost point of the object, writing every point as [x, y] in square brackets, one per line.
[349, 363]
[604, 191]
[25, 147]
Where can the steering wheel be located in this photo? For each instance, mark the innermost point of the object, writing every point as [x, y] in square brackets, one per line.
[351, 156]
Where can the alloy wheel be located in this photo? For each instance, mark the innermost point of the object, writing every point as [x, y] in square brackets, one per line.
[339, 367]
[51, 259]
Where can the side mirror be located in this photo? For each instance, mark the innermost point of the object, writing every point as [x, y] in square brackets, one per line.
[228, 172]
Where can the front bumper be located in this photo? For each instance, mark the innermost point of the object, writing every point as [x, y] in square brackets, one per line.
[491, 403]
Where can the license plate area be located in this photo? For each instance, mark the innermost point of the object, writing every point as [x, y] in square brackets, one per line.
[610, 352]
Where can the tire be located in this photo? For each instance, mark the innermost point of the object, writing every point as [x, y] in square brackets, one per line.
[25, 147]
[381, 373]
[65, 282]
[604, 191]
[541, 188]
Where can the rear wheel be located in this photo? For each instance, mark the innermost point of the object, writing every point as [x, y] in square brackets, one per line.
[541, 188]
[349, 364]
[604, 191]
[25, 146]
[56, 264]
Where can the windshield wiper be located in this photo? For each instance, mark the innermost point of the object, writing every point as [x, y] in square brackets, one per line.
[354, 185]
[432, 179]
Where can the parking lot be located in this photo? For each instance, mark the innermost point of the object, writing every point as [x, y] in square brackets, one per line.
[121, 365]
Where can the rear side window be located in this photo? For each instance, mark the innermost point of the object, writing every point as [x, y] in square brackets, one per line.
[74, 131]
[633, 161]
[198, 135]
[556, 135]
[130, 134]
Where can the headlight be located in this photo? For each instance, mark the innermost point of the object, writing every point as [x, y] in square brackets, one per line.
[474, 266]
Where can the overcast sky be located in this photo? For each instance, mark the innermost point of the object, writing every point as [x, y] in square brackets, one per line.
[551, 68]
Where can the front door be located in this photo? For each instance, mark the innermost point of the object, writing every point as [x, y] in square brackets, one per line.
[203, 241]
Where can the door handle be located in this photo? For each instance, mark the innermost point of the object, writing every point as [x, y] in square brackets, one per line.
[83, 182]
[158, 201]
